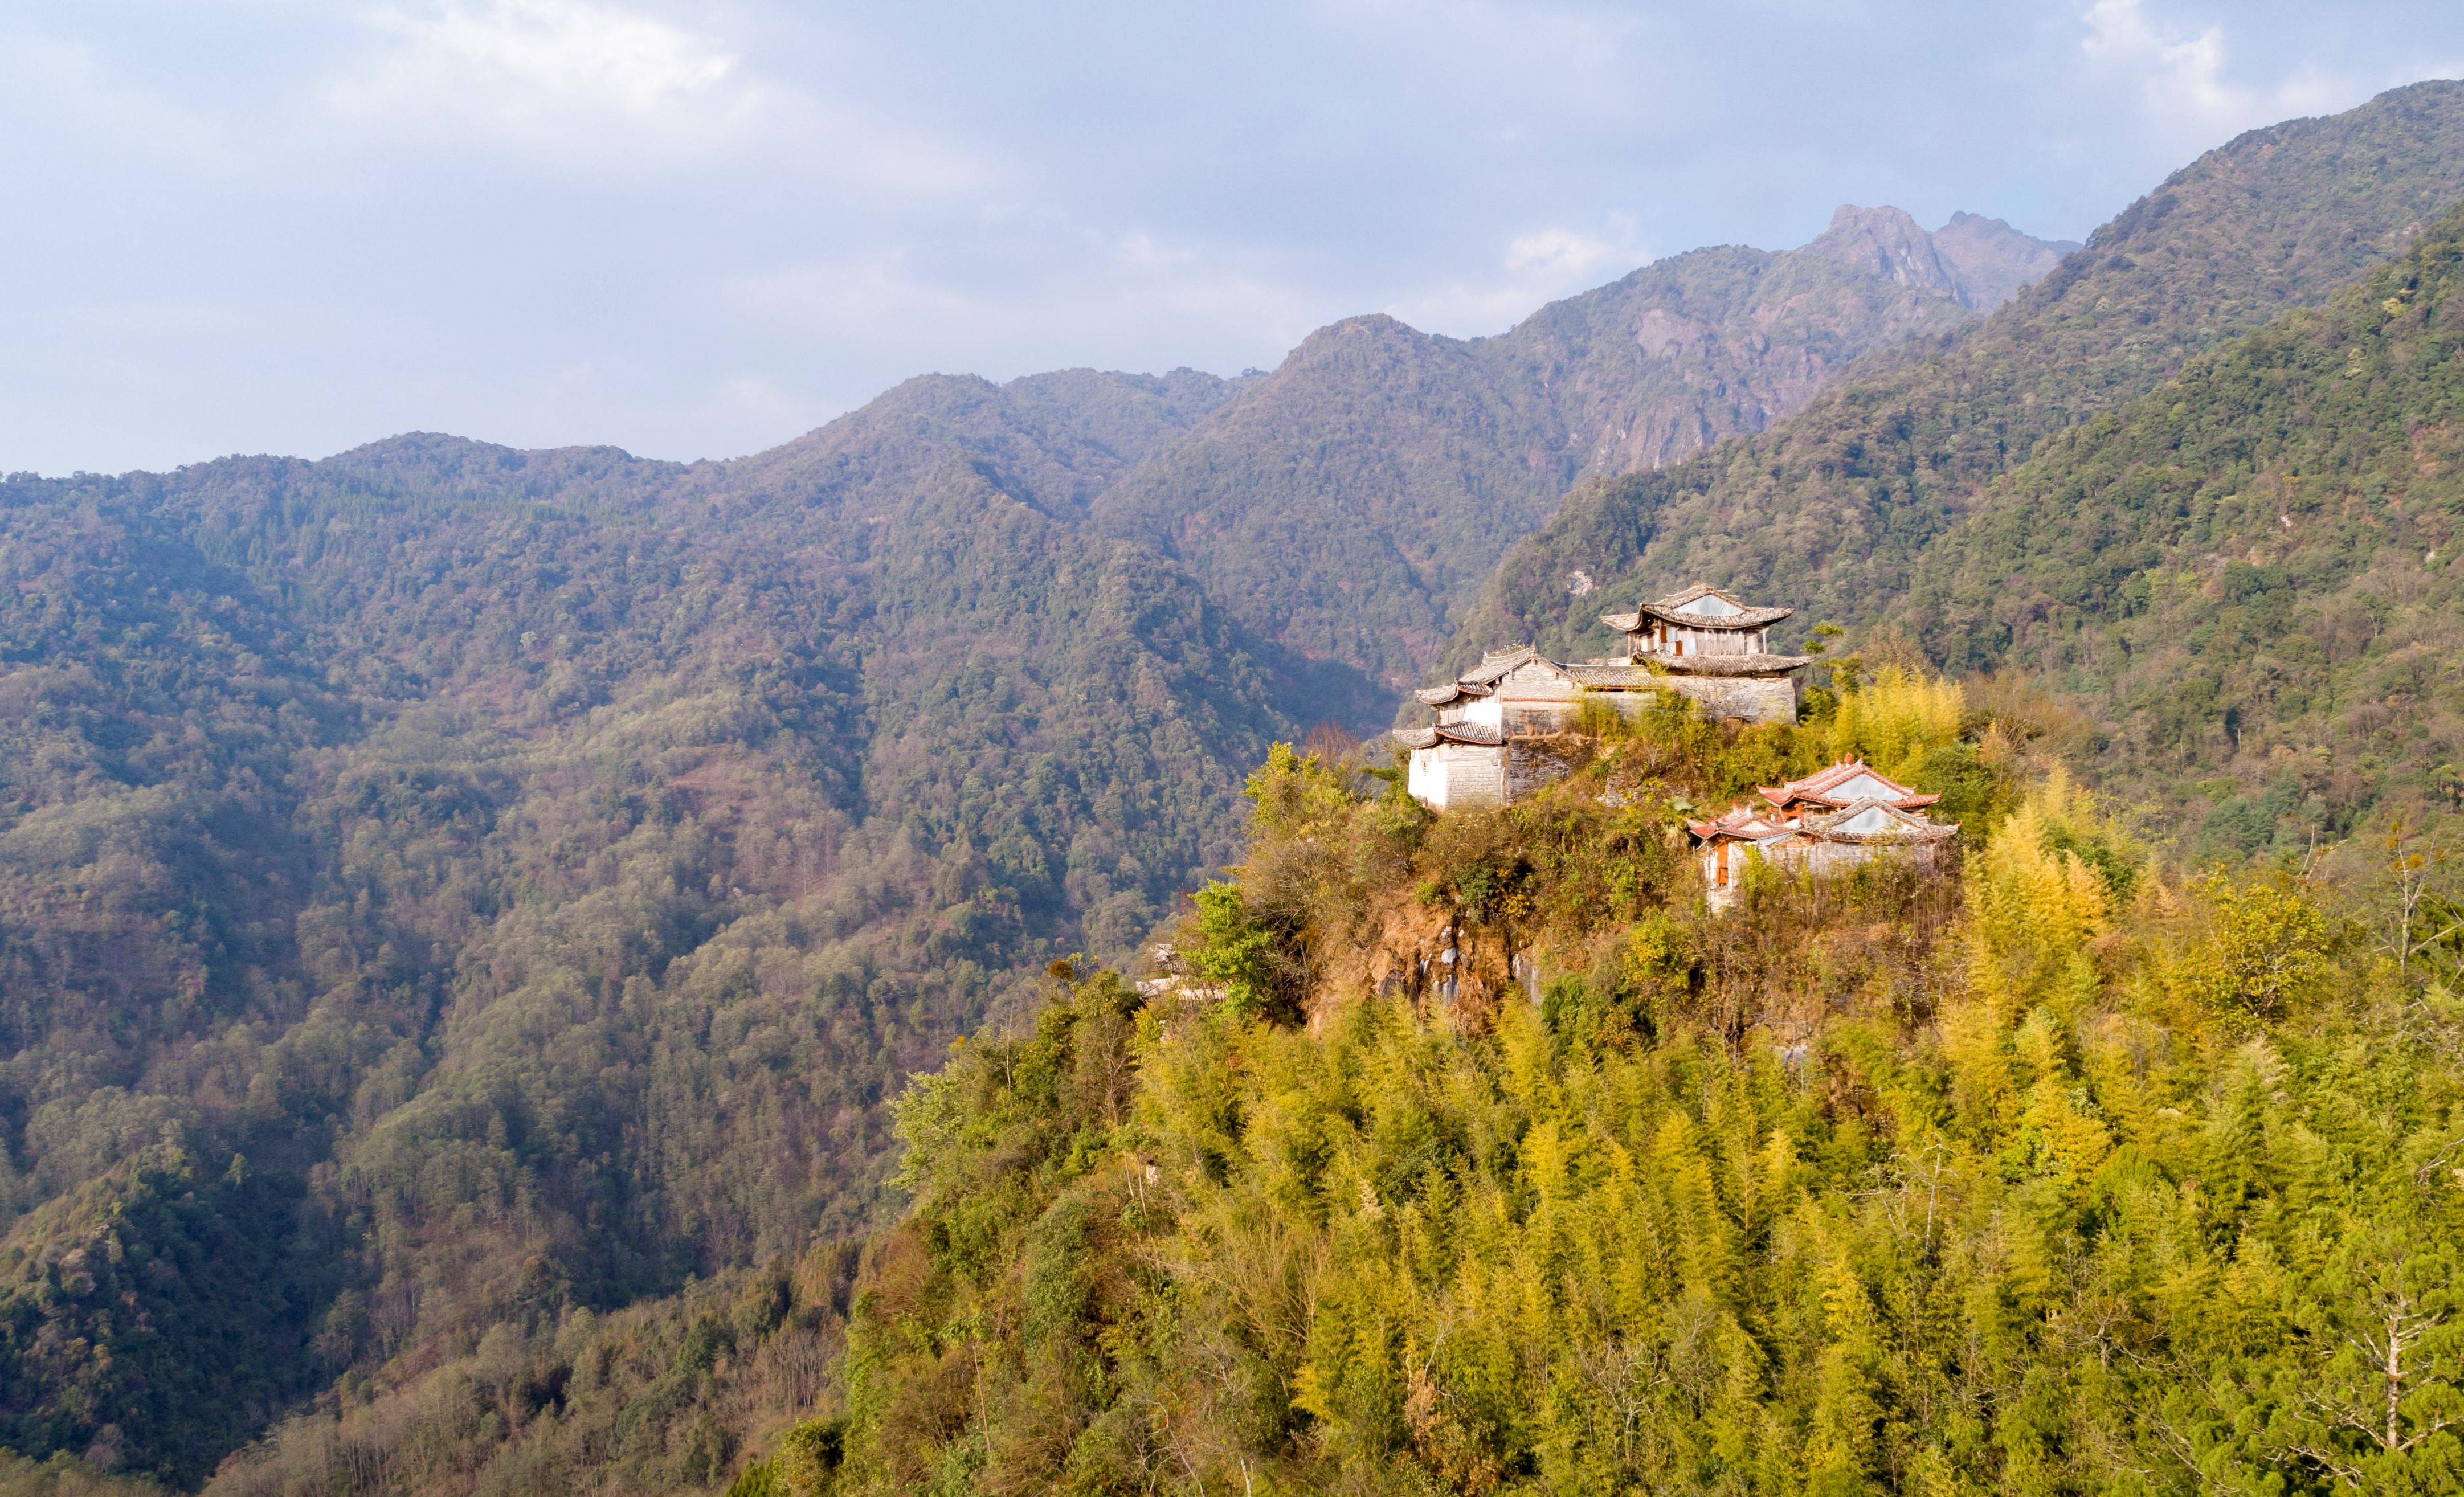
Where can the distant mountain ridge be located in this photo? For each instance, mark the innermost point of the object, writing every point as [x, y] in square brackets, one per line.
[1831, 509]
[1981, 262]
[1351, 503]
[620, 830]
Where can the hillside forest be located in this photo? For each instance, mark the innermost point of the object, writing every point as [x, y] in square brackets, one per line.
[887, 965]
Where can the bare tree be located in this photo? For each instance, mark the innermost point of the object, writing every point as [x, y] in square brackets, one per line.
[2389, 1339]
[2420, 910]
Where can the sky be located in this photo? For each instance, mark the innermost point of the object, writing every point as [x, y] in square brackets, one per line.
[696, 229]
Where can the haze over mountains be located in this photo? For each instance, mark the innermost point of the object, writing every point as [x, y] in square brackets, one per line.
[443, 887]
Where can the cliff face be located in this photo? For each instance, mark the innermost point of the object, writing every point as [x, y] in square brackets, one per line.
[1990, 261]
[1976, 261]
[1720, 342]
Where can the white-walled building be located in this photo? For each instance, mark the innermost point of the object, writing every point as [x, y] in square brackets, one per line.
[1703, 644]
[1830, 820]
[1488, 745]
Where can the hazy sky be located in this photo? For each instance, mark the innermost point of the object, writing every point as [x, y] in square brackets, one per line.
[697, 228]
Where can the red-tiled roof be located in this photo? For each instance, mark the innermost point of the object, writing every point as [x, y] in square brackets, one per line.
[1817, 788]
[1737, 821]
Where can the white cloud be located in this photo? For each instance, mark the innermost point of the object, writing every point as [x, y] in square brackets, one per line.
[2182, 76]
[546, 71]
[1570, 254]
[750, 400]
[1537, 267]
[1053, 296]
[613, 91]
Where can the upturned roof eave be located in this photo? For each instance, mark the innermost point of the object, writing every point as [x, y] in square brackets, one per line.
[1749, 619]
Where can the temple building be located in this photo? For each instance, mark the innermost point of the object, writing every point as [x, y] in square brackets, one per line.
[1827, 822]
[1488, 746]
[1714, 647]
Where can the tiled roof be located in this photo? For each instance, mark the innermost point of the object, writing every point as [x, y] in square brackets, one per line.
[1818, 786]
[1440, 696]
[1732, 665]
[1476, 734]
[1680, 599]
[1673, 609]
[1605, 675]
[1882, 822]
[1496, 664]
[1746, 619]
[1736, 821]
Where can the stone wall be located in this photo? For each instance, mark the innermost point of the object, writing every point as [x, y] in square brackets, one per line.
[1535, 763]
[1749, 698]
[1455, 775]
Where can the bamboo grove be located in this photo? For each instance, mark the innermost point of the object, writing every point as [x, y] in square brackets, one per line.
[2067, 1175]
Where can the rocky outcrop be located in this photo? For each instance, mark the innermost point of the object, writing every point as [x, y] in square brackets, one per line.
[1724, 341]
[1977, 261]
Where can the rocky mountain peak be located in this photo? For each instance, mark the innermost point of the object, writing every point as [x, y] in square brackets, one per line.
[1982, 262]
[1991, 260]
[1885, 242]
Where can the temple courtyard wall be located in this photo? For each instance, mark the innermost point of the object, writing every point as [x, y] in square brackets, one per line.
[1757, 699]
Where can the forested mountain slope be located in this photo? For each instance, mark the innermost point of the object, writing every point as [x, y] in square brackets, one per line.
[2244, 577]
[1830, 509]
[1351, 503]
[1051, 440]
[446, 885]
[449, 889]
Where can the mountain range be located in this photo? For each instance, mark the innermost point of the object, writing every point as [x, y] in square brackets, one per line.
[466, 910]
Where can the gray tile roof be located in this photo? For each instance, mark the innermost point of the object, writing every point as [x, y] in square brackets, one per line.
[1732, 665]
[1478, 734]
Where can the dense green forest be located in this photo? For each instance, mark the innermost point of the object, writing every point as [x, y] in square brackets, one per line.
[2089, 1168]
[2243, 577]
[450, 891]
